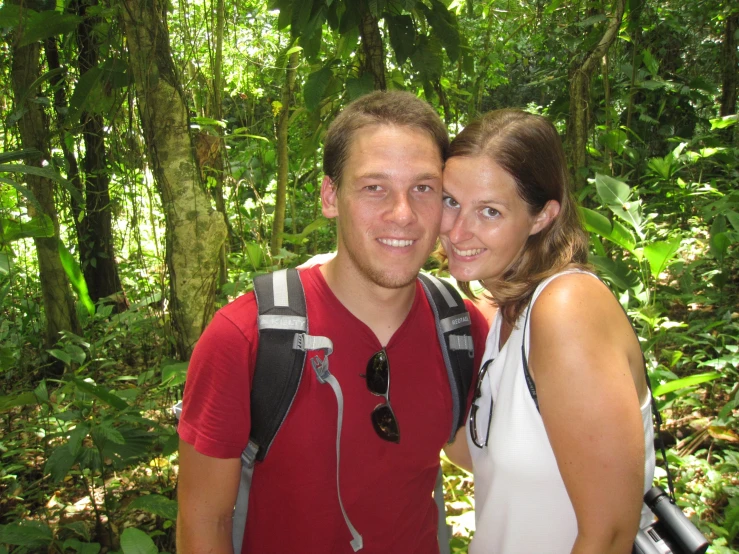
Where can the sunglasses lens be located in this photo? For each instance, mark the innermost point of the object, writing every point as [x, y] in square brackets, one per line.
[385, 424]
[378, 374]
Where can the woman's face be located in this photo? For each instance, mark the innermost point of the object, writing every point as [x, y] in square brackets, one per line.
[485, 223]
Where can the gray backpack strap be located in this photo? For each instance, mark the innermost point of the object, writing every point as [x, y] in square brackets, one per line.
[443, 533]
[320, 366]
[455, 339]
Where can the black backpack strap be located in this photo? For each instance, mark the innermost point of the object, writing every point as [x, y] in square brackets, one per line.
[282, 323]
[455, 338]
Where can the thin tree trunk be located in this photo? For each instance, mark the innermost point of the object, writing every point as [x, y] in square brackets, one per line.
[278, 224]
[218, 114]
[98, 265]
[195, 232]
[729, 66]
[57, 297]
[579, 119]
[373, 59]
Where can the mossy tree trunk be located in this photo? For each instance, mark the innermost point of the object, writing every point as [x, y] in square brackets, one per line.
[195, 232]
[33, 126]
[373, 53]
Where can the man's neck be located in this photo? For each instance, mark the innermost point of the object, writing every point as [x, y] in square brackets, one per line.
[382, 309]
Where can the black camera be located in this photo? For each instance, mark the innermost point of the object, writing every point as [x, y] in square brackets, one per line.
[672, 533]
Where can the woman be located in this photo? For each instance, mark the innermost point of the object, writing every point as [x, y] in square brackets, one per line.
[560, 432]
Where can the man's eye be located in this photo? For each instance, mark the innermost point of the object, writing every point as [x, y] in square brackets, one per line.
[423, 188]
[372, 188]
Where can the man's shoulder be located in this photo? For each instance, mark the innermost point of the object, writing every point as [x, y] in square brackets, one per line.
[241, 313]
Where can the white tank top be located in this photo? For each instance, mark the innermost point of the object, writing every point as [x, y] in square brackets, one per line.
[521, 504]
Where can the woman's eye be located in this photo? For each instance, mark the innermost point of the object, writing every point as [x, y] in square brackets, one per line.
[449, 202]
[490, 212]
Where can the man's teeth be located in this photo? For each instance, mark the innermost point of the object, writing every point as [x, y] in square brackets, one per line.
[473, 252]
[396, 242]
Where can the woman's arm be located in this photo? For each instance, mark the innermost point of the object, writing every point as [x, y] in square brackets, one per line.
[579, 359]
[458, 451]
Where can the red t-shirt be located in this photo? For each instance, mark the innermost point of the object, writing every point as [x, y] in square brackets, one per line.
[386, 487]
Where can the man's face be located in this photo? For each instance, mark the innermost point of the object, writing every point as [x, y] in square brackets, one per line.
[388, 207]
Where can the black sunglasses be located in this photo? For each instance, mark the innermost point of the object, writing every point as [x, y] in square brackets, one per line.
[378, 383]
[473, 409]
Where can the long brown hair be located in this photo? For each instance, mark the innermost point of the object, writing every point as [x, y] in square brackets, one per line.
[528, 147]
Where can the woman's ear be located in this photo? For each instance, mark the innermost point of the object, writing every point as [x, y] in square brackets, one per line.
[329, 192]
[545, 216]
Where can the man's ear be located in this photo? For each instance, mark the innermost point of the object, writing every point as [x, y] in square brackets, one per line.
[329, 198]
[545, 216]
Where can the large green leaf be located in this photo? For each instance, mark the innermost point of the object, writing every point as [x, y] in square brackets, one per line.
[617, 196]
[11, 230]
[427, 59]
[155, 504]
[659, 254]
[174, 374]
[315, 87]
[60, 462]
[595, 222]
[134, 541]
[12, 401]
[685, 382]
[76, 278]
[359, 87]
[402, 36]
[86, 85]
[615, 271]
[310, 228]
[15, 155]
[43, 25]
[100, 393]
[444, 27]
[31, 534]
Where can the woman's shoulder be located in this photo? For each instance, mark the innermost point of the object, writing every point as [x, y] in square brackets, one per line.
[575, 301]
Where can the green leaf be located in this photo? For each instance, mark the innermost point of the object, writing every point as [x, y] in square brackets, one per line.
[402, 36]
[106, 432]
[615, 271]
[310, 228]
[22, 399]
[46, 172]
[76, 437]
[595, 222]
[100, 393]
[724, 122]
[47, 24]
[155, 504]
[76, 278]
[427, 59]
[39, 226]
[15, 155]
[174, 374]
[134, 541]
[86, 84]
[650, 63]
[685, 382]
[31, 534]
[444, 27]
[60, 462]
[616, 195]
[359, 87]
[611, 190]
[61, 355]
[315, 87]
[659, 254]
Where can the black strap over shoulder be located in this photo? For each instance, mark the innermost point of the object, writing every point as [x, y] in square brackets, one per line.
[279, 367]
[455, 339]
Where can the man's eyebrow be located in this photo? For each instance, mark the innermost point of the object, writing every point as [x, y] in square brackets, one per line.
[379, 175]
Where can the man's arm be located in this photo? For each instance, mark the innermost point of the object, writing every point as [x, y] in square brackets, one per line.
[206, 494]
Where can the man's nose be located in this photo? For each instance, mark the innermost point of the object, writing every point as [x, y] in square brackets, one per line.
[401, 211]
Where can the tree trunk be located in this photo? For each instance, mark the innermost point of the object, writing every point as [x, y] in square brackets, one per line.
[729, 68]
[195, 231]
[57, 297]
[278, 224]
[218, 114]
[98, 259]
[578, 123]
[373, 59]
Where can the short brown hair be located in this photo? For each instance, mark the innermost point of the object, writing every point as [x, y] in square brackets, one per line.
[528, 147]
[398, 108]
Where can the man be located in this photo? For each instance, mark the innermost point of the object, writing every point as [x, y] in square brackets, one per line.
[383, 160]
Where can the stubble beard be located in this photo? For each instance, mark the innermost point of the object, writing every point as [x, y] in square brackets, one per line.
[384, 279]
